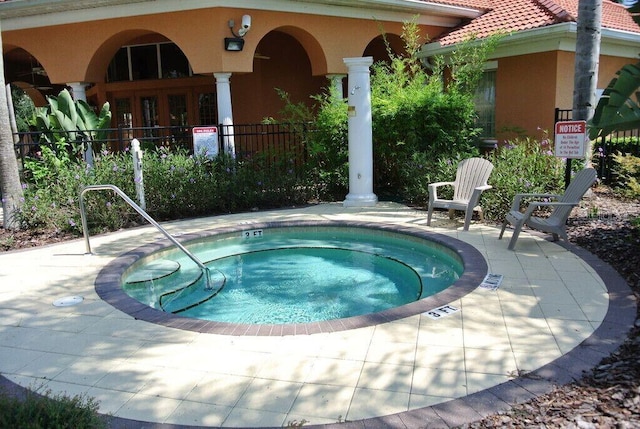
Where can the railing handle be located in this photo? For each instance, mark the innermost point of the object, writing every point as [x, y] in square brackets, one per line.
[144, 214]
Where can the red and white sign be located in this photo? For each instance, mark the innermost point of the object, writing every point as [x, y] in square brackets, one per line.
[571, 139]
[205, 141]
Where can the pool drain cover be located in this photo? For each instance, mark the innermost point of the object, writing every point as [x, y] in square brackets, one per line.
[68, 301]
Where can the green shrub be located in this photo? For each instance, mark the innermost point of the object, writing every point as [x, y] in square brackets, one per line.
[626, 175]
[422, 169]
[54, 184]
[328, 148]
[176, 185]
[416, 122]
[627, 144]
[524, 165]
[49, 412]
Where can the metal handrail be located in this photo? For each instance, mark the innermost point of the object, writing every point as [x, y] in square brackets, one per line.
[136, 207]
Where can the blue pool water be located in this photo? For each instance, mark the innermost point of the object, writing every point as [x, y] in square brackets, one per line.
[295, 275]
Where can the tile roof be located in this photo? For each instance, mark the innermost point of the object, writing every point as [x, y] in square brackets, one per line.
[517, 15]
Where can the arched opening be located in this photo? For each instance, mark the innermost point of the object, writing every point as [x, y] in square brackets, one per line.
[24, 71]
[280, 63]
[149, 83]
[379, 47]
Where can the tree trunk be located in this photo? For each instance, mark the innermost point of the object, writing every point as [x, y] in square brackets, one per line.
[10, 186]
[586, 62]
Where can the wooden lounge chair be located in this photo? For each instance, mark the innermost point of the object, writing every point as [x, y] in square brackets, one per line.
[557, 220]
[471, 181]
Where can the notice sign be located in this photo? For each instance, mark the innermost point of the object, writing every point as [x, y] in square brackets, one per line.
[205, 141]
[571, 138]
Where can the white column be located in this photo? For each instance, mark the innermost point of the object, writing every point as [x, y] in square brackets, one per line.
[78, 90]
[360, 134]
[225, 111]
[336, 83]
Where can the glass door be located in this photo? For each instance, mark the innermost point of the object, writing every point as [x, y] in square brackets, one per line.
[179, 120]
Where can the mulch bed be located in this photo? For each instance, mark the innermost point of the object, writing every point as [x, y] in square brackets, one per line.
[609, 396]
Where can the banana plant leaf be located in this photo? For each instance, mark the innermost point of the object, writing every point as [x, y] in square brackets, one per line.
[89, 121]
[69, 120]
[617, 110]
[42, 122]
[66, 107]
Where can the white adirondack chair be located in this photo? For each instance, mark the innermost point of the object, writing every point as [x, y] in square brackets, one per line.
[556, 222]
[471, 181]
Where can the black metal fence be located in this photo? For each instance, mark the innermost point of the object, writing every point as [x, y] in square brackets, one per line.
[274, 141]
[606, 146]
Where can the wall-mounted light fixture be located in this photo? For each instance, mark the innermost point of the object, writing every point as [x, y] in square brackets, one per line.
[233, 43]
[236, 43]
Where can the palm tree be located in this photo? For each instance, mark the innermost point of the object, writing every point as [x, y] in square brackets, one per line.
[619, 106]
[586, 60]
[10, 187]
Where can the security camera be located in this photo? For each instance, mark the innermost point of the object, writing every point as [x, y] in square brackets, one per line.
[246, 21]
[246, 25]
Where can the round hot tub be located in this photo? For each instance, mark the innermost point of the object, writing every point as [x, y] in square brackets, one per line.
[303, 273]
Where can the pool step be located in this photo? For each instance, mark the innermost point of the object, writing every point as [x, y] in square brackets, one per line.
[158, 279]
[165, 285]
[193, 294]
[154, 270]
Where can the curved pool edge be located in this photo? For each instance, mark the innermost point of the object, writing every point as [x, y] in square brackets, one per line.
[108, 284]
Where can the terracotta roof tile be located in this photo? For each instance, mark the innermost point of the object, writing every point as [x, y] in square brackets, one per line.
[517, 15]
[474, 4]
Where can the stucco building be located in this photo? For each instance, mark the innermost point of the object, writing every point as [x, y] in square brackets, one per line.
[168, 63]
[531, 72]
[165, 62]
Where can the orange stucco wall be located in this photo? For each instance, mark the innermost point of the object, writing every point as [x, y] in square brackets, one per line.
[564, 78]
[525, 93]
[608, 67]
[530, 87]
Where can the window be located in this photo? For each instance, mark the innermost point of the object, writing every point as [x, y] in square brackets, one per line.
[119, 67]
[173, 62]
[123, 112]
[149, 111]
[177, 110]
[485, 102]
[144, 62]
[207, 108]
[149, 61]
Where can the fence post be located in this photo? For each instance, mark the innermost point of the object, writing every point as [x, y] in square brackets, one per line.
[137, 172]
[567, 170]
[87, 144]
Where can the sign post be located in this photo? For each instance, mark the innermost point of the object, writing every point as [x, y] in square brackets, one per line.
[570, 142]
